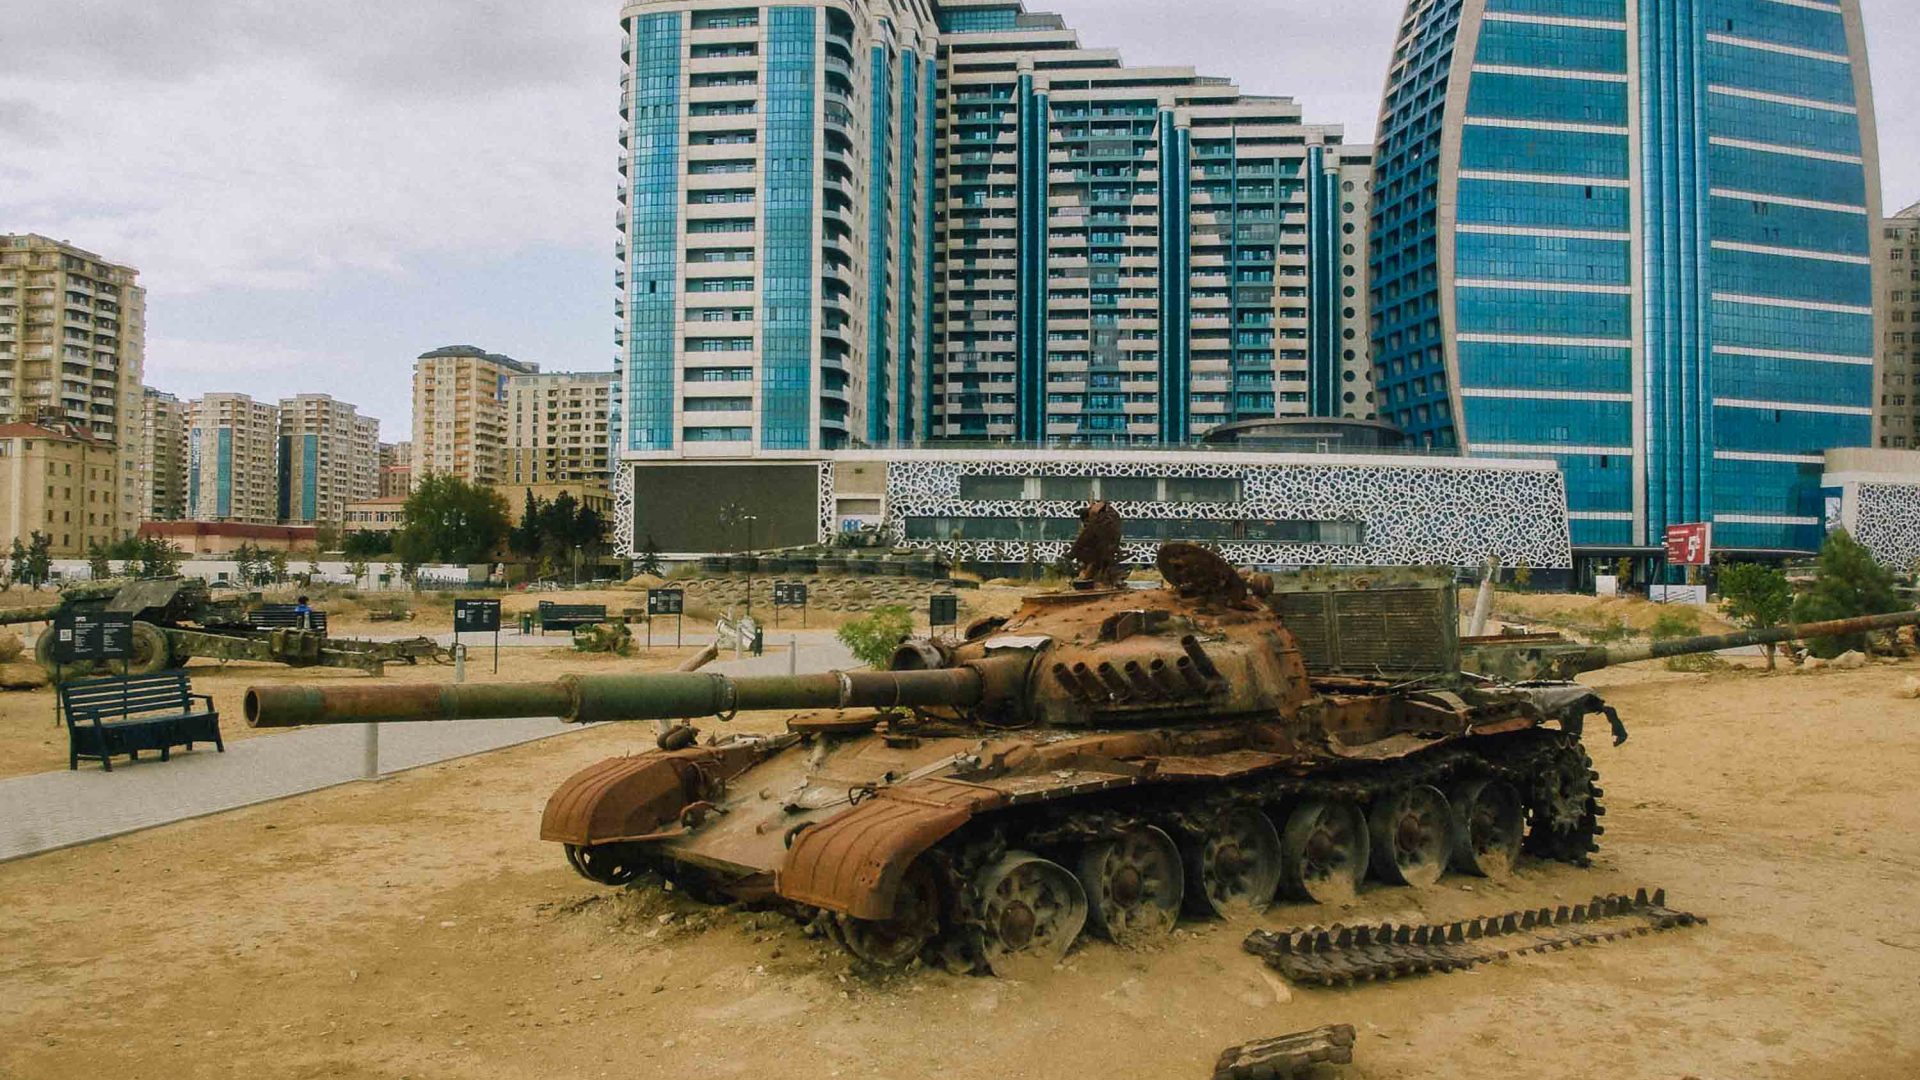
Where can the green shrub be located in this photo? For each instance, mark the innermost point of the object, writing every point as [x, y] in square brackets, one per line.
[1847, 583]
[1617, 630]
[873, 639]
[1675, 623]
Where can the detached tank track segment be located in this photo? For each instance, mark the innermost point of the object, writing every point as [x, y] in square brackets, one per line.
[1287, 1056]
[1344, 955]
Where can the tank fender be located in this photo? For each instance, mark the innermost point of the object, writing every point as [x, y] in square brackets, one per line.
[853, 863]
[638, 797]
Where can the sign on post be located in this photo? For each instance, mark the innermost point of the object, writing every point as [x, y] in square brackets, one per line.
[85, 637]
[1689, 545]
[943, 610]
[478, 617]
[789, 594]
[666, 602]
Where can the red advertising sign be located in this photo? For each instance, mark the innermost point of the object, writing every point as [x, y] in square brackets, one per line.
[1689, 545]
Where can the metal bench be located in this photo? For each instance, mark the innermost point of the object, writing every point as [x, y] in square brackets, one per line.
[284, 617]
[570, 616]
[112, 716]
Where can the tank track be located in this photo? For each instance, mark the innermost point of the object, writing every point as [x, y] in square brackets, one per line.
[1296, 1055]
[1343, 956]
[1548, 767]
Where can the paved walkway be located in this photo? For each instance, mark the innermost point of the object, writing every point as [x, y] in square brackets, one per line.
[59, 809]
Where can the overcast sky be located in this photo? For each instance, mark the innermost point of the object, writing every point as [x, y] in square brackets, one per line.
[317, 193]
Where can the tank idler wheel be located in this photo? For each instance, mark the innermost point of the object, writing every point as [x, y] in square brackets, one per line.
[1234, 867]
[1323, 852]
[1489, 824]
[1412, 832]
[604, 864]
[1133, 883]
[1031, 910]
[895, 942]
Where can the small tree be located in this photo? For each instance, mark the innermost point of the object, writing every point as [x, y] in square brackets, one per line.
[277, 562]
[17, 563]
[357, 568]
[313, 564]
[1847, 583]
[649, 561]
[159, 557]
[243, 565]
[39, 558]
[1756, 596]
[99, 567]
[873, 639]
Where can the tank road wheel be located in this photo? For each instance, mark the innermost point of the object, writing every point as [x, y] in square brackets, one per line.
[1323, 852]
[1234, 867]
[1488, 825]
[605, 864]
[152, 652]
[1564, 806]
[1412, 832]
[895, 942]
[1133, 884]
[1031, 910]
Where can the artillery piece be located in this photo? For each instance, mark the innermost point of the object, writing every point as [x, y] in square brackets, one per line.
[1105, 759]
[177, 618]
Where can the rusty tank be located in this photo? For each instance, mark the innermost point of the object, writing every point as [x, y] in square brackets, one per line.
[1104, 761]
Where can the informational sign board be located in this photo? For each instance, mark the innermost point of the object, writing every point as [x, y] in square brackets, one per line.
[478, 617]
[662, 602]
[943, 610]
[1689, 545]
[85, 636]
[789, 594]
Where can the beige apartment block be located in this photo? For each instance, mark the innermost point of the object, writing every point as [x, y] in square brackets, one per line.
[232, 460]
[162, 461]
[329, 456]
[557, 430]
[460, 413]
[73, 345]
[1897, 275]
[58, 480]
[396, 470]
[386, 514]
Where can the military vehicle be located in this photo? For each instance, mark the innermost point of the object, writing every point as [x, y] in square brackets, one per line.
[1106, 759]
[176, 618]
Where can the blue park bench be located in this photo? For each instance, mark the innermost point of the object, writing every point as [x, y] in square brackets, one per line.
[116, 715]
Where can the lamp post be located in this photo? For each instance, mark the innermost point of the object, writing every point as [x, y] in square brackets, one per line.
[576, 566]
[749, 519]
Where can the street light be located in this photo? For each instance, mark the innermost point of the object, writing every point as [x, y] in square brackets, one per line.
[749, 519]
[576, 566]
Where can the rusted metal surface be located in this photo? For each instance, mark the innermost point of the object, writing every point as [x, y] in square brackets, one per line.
[1343, 955]
[854, 863]
[1297, 1055]
[640, 798]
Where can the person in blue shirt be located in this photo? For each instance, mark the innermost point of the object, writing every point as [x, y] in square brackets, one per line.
[303, 612]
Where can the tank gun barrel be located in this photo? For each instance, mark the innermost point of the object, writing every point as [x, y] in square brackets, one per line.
[586, 699]
[1653, 650]
[17, 616]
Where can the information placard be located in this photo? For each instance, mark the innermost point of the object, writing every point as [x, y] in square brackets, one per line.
[476, 616]
[666, 601]
[943, 610]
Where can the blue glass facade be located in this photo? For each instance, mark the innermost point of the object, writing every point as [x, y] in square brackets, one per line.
[786, 292]
[1030, 350]
[1176, 300]
[645, 373]
[1641, 250]
[907, 348]
[879, 241]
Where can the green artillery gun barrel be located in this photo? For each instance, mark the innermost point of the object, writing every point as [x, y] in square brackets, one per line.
[586, 699]
[43, 613]
[1653, 650]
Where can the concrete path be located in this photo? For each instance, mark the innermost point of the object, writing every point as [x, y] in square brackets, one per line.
[59, 809]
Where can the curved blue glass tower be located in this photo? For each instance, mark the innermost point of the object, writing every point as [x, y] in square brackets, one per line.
[1633, 236]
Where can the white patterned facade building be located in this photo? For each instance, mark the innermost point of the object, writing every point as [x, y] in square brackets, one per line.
[1010, 506]
[1875, 495]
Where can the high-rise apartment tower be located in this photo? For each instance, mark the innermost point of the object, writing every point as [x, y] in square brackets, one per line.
[329, 456]
[460, 413]
[882, 222]
[1634, 236]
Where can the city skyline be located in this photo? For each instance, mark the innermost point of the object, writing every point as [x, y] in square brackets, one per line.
[278, 268]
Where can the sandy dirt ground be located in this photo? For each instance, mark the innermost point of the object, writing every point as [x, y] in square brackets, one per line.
[417, 928]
